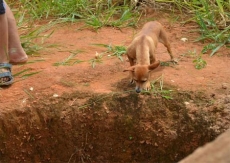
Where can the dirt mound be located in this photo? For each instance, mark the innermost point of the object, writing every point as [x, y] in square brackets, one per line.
[113, 127]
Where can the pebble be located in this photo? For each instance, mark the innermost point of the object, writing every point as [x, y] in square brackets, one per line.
[186, 103]
[227, 99]
[224, 85]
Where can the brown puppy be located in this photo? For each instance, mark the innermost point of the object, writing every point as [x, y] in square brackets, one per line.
[141, 54]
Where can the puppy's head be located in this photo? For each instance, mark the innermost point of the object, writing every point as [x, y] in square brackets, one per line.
[141, 74]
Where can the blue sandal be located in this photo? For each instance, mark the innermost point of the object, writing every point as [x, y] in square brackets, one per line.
[6, 74]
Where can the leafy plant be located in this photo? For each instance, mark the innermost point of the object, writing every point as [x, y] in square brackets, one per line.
[210, 31]
[117, 51]
[199, 63]
[213, 17]
[213, 26]
[158, 90]
[97, 59]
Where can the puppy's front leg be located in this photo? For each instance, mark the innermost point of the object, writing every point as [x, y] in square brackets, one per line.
[147, 86]
[131, 62]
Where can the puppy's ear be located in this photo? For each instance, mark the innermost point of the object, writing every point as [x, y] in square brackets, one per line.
[129, 69]
[154, 65]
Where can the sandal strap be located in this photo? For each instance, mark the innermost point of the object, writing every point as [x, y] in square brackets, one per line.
[9, 75]
[6, 65]
[6, 74]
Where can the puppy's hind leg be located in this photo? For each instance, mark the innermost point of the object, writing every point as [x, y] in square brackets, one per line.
[164, 40]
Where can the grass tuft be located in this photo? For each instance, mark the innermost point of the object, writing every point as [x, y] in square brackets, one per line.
[70, 60]
[117, 51]
[157, 88]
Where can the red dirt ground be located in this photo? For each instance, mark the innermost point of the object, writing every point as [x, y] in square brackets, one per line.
[56, 80]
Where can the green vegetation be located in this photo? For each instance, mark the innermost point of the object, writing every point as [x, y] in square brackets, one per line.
[95, 13]
[213, 18]
[24, 74]
[157, 88]
[199, 62]
[117, 51]
[97, 59]
[70, 60]
[214, 26]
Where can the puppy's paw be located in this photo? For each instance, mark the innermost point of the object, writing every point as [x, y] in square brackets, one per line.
[147, 86]
[174, 61]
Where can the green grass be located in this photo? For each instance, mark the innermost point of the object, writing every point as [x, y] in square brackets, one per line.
[70, 60]
[95, 13]
[157, 88]
[24, 74]
[214, 25]
[34, 41]
[32, 36]
[213, 18]
[113, 50]
[199, 62]
[96, 60]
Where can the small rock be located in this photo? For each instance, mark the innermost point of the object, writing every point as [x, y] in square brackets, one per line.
[224, 85]
[55, 95]
[186, 103]
[184, 39]
[97, 55]
[212, 95]
[227, 99]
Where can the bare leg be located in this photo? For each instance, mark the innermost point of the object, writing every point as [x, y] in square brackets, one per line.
[5, 74]
[4, 39]
[17, 54]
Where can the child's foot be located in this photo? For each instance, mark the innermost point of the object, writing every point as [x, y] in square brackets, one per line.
[17, 56]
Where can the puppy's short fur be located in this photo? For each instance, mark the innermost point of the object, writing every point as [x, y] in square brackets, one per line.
[141, 54]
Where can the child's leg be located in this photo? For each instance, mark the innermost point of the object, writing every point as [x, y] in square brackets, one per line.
[16, 52]
[4, 35]
[5, 69]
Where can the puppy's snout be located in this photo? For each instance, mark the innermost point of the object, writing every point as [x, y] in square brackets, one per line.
[138, 90]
